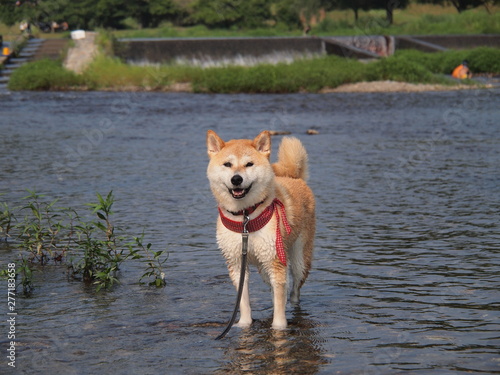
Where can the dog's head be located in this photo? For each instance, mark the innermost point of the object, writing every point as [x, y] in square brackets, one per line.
[239, 171]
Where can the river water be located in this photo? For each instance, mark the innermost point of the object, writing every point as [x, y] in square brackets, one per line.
[406, 274]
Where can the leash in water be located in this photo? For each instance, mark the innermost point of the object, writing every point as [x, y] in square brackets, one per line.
[244, 251]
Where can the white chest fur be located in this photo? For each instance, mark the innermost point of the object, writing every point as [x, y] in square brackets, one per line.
[261, 244]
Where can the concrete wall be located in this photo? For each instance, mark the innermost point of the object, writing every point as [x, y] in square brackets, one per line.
[283, 48]
[407, 42]
[462, 41]
[165, 50]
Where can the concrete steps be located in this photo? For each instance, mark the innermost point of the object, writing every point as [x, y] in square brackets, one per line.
[12, 63]
[51, 49]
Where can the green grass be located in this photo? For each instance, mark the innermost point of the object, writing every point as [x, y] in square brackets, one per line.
[112, 74]
[417, 19]
[199, 31]
[481, 60]
[302, 75]
[43, 75]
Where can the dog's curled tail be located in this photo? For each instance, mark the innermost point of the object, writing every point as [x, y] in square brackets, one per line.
[292, 159]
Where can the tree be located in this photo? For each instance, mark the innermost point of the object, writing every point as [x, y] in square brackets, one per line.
[228, 13]
[390, 6]
[150, 13]
[9, 12]
[110, 13]
[355, 5]
[462, 5]
[288, 13]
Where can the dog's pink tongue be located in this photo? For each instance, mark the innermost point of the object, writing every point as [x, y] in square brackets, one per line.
[238, 192]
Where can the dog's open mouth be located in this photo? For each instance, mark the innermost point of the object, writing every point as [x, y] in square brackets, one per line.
[239, 193]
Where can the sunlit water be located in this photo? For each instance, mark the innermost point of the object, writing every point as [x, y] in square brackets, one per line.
[406, 274]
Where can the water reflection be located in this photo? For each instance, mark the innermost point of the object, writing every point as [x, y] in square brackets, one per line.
[260, 350]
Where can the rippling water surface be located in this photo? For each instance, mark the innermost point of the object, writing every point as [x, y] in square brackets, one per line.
[406, 274]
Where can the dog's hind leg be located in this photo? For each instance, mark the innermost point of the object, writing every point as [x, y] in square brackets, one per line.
[245, 310]
[300, 264]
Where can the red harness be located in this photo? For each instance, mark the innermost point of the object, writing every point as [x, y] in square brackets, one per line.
[260, 222]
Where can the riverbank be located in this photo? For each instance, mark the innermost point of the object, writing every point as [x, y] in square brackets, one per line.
[359, 87]
[407, 69]
[393, 86]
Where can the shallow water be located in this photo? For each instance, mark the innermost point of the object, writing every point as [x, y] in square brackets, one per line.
[406, 270]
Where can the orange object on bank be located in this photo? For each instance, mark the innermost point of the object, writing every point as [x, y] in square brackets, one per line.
[462, 71]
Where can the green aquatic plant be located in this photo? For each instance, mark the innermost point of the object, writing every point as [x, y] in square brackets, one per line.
[101, 253]
[92, 249]
[154, 261]
[42, 227]
[6, 217]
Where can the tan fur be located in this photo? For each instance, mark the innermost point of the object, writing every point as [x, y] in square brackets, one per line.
[263, 182]
[292, 158]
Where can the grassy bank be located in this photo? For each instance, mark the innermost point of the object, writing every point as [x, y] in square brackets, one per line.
[311, 75]
[417, 19]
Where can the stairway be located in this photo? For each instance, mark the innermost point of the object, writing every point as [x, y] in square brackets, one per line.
[51, 49]
[13, 63]
[35, 49]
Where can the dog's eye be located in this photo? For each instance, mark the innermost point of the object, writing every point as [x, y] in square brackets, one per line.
[249, 164]
[228, 164]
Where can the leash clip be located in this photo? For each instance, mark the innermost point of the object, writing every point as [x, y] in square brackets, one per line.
[244, 235]
[246, 219]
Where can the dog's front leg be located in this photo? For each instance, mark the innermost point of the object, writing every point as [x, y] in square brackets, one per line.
[279, 285]
[245, 310]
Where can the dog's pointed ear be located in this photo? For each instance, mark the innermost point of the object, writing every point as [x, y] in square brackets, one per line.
[214, 143]
[262, 143]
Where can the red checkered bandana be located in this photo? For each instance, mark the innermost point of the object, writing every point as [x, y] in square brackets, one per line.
[260, 222]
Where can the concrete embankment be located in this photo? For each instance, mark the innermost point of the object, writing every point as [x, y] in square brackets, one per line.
[81, 54]
[231, 50]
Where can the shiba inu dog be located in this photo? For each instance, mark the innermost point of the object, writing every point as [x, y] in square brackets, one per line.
[281, 211]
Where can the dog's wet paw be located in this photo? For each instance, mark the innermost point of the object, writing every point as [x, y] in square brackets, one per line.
[243, 324]
[279, 325]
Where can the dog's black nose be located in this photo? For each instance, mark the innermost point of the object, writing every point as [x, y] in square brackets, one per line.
[236, 180]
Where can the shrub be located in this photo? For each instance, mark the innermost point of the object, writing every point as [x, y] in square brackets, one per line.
[43, 75]
[484, 60]
[398, 69]
[481, 60]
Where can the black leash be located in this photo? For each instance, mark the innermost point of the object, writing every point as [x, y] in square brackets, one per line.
[244, 251]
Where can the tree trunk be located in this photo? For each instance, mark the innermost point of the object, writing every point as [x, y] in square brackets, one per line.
[356, 15]
[389, 14]
[459, 5]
